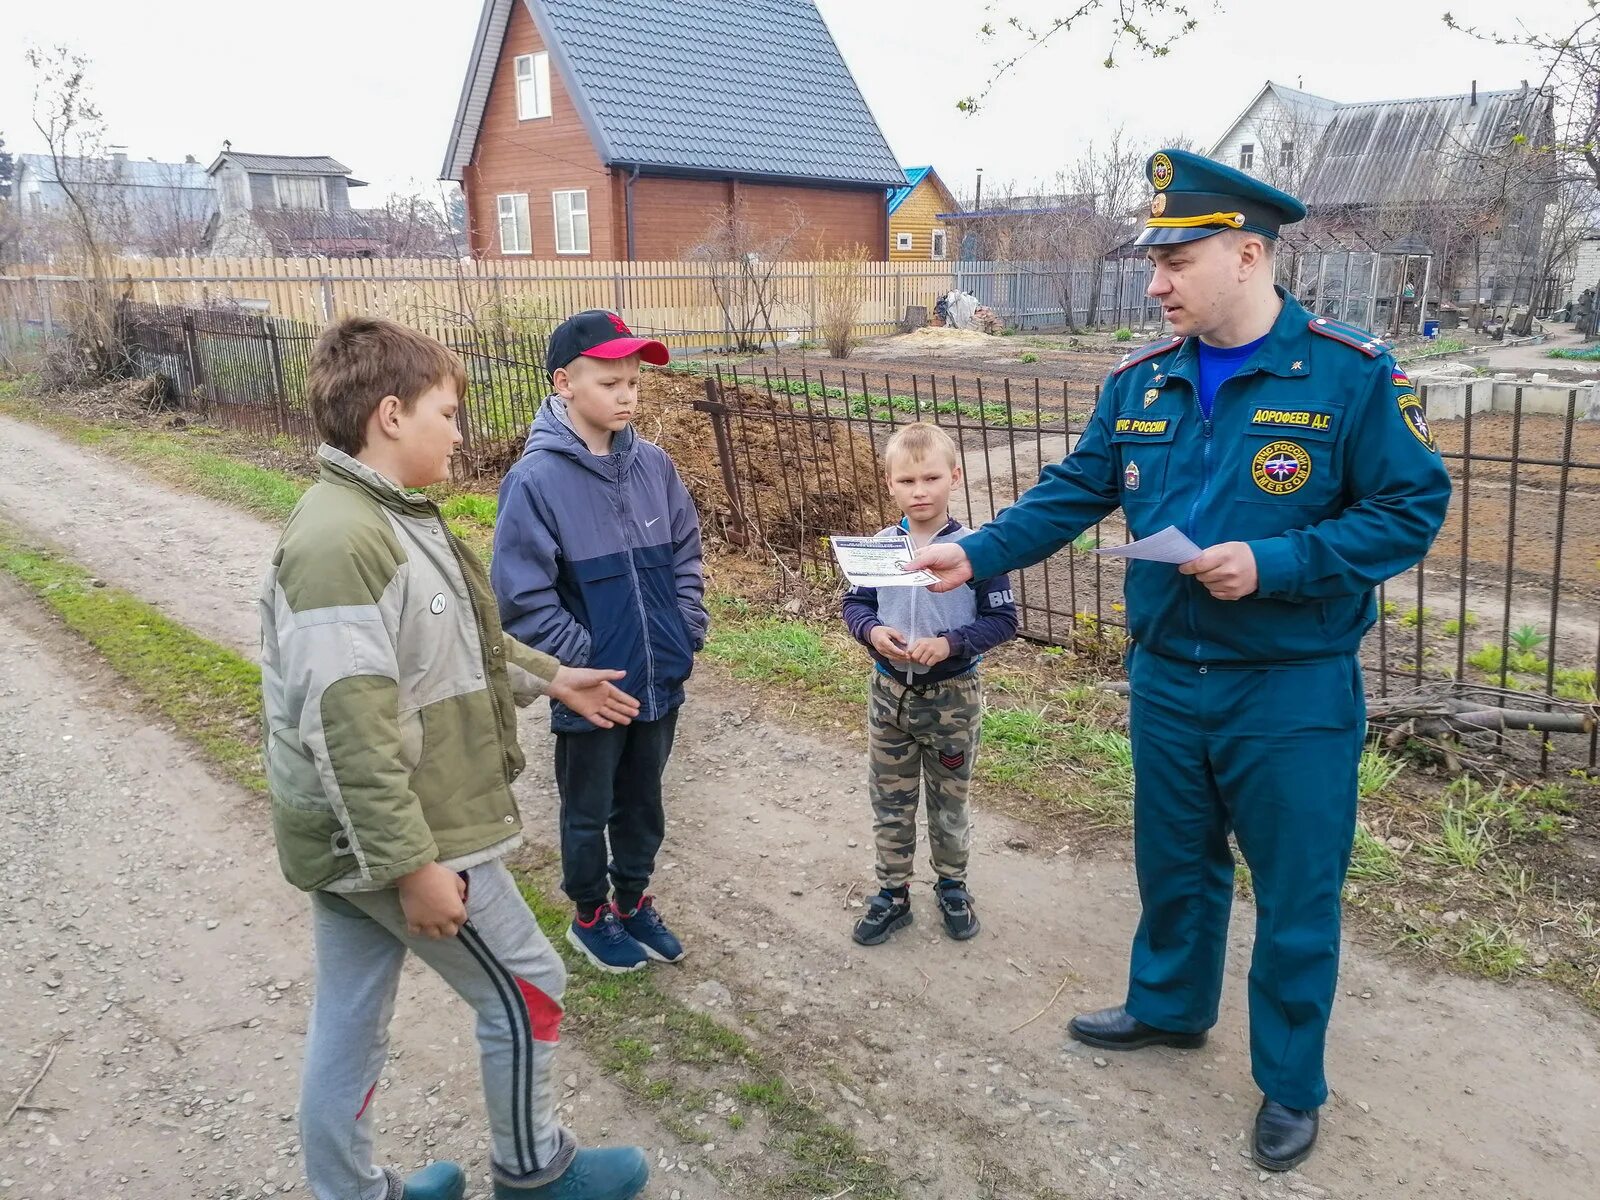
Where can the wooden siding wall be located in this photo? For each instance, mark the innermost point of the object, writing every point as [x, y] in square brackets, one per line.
[919, 216]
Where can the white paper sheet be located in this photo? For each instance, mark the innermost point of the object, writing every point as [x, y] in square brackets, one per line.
[1168, 546]
[877, 562]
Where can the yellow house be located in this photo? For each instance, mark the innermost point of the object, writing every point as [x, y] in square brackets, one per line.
[916, 234]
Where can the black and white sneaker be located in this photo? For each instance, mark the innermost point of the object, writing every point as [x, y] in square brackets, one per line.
[886, 912]
[955, 903]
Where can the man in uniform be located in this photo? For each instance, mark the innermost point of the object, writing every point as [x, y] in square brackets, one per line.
[1293, 449]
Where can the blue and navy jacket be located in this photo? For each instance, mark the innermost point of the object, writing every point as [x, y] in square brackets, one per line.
[1317, 454]
[974, 620]
[597, 562]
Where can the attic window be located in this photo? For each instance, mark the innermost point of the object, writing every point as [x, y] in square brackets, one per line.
[1286, 154]
[533, 86]
[1247, 155]
[300, 191]
[902, 241]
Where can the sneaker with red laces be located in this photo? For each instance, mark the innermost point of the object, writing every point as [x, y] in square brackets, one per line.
[645, 926]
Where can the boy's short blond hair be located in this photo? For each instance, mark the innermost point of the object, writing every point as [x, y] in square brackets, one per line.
[360, 360]
[920, 440]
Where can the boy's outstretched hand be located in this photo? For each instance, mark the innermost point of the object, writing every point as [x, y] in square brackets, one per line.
[434, 899]
[591, 694]
[947, 561]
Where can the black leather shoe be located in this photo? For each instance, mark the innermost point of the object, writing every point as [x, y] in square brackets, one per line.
[1114, 1029]
[1284, 1136]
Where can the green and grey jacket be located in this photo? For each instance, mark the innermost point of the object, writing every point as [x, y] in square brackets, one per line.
[389, 689]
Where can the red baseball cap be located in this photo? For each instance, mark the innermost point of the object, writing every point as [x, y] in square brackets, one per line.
[597, 333]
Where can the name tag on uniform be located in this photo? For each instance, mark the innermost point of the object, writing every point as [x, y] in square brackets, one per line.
[1292, 418]
[1143, 427]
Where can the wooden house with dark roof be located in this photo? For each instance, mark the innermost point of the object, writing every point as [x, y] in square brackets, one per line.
[619, 129]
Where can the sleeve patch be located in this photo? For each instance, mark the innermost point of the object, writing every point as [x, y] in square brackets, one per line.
[1416, 420]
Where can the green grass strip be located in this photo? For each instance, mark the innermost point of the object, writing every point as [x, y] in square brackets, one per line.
[210, 693]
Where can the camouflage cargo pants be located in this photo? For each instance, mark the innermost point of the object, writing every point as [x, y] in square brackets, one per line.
[922, 741]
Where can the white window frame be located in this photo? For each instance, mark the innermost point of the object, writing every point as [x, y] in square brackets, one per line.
[1286, 154]
[1247, 155]
[567, 238]
[532, 73]
[513, 206]
[940, 249]
[322, 191]
[903, 242]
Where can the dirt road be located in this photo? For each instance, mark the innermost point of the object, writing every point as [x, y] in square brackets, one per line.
[1444, 1086]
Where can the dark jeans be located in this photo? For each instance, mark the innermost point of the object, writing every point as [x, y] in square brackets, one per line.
[610, 784]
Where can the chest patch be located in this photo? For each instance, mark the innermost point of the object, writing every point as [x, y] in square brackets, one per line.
[1416, 420]
[1298, 418]
[1151, 395]
[1280, 468]
[436, 605]
[1143, 427]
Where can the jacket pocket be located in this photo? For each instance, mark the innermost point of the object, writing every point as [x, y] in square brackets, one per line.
[1144, 448]
[610, 612]
[671, 642]
[1289, 467]
[312, 847]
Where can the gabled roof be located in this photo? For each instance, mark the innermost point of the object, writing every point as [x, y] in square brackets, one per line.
[130, 172]
[1430, 148]
[281, 164]
[748, 88]
[914, 178]
[1302, 105]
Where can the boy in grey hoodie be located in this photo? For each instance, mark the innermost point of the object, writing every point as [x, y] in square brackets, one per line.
[926, 705]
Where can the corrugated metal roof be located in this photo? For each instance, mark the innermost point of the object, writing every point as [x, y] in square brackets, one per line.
[132, 172]
[1411, 151]
[283, 164]
[914, 176]
[753, 88]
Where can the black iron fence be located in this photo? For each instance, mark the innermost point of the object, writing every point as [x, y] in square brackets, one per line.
[1508, 598]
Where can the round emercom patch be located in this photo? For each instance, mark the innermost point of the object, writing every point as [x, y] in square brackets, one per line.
[1416, 419]
[1280, 468]
[1160, 172]
[437, 605]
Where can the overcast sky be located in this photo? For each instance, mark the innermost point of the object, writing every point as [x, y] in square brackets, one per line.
[375, 84]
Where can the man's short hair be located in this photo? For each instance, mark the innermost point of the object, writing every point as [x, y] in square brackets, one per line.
[360, 360]
[920, 440]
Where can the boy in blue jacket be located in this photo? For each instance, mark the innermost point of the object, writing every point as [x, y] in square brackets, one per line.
[926, 704]
[597, 561]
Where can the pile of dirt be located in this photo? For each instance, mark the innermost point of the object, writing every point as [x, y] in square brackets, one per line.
[947, 336]
[796, 479]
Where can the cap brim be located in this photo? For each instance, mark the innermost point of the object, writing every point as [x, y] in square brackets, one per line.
[1157, 236]
[653, 352]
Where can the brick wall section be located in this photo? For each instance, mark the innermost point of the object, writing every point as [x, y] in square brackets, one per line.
[670, 215]
[538, 157]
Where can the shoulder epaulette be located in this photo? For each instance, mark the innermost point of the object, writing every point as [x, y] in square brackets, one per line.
[1145, 353]
[1369, 344]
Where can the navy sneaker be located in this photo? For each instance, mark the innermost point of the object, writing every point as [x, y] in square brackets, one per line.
[645, 926]
[955, 903]
[886, 912]
[611, 1173]
[605, 943]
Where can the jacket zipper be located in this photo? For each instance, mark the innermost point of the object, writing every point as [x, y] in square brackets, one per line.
[483, 640]
[638, 592]
[1194, 509]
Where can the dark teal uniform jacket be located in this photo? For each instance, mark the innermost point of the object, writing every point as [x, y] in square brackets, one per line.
[1317, 454]
[1247, 717]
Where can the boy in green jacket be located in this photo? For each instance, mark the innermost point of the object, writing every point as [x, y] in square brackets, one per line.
[389, 703]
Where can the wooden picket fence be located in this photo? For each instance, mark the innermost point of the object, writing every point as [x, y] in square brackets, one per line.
[677, 301]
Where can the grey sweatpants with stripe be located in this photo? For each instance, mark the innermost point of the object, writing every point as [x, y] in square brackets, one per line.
[500, 963]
